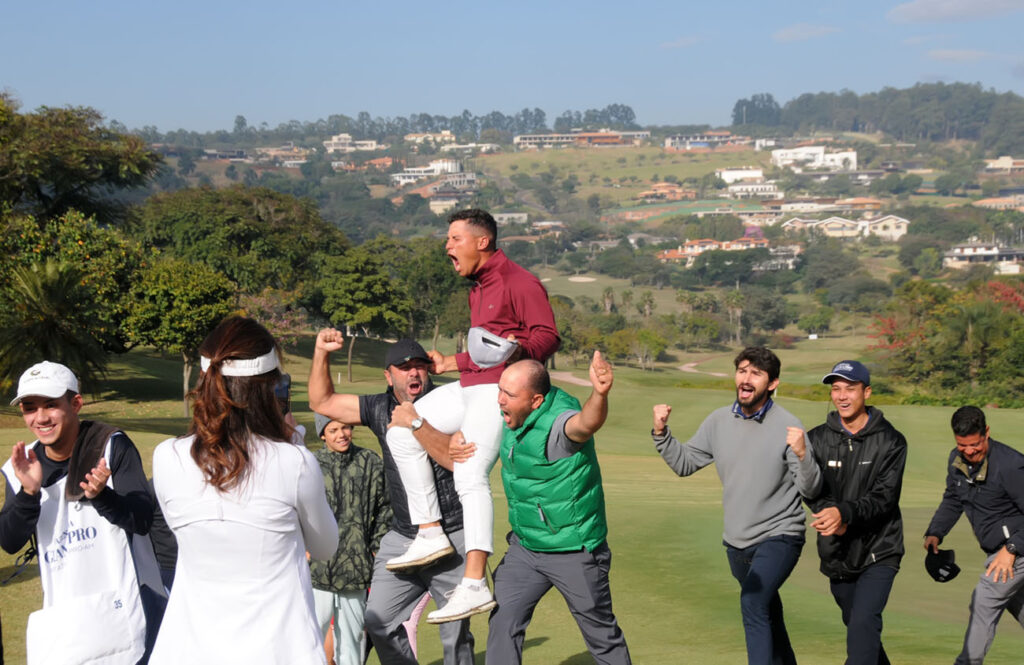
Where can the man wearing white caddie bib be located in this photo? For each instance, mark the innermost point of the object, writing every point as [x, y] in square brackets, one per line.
[511, 319]
[81, 490]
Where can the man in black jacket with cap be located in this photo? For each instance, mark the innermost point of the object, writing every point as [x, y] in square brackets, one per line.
[985, 480]
[857, 514]
[394, 595]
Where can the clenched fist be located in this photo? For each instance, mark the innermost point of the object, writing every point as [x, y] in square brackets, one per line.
[330, 340]
[795, 440]
[661, 414]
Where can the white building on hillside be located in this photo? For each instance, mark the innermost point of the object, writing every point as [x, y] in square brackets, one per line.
[703, 140]
[762, 189]
[471, 147]
[838, 227]
[737, 173]
[1004, 164]
[343, 143]
[814, 157]
[887, 227]
[1006, 261]
[437, 138]
[435, 168]
[604, 137]
[503, 218]
[439, 205]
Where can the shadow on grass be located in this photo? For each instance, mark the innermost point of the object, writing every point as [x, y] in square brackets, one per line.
[147, 375]
[28, 573]
[155, 425]
[135, 390]
[480, 656]
[582, 658]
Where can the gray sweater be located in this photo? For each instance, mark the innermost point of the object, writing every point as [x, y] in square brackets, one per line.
[762, 479]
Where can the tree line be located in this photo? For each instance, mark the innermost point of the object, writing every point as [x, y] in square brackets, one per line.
[923, 112]
[963, 344]
[466, 126]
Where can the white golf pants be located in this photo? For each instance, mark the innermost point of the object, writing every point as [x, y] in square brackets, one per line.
[450, 408]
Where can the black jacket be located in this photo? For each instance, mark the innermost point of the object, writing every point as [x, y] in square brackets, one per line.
[993, 499]
[375, 413]
[862, 476]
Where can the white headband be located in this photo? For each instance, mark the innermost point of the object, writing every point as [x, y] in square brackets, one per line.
[245, 366]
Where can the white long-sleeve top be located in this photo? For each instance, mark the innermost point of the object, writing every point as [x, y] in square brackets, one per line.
[241, 589]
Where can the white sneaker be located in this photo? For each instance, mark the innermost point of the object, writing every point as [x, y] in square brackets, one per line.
[422, 552]
[463, 602]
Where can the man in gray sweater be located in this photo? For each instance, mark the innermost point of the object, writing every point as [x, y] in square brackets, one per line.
[765, 464]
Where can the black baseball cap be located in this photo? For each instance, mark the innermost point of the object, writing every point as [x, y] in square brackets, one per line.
[941, 565]
[403, 351]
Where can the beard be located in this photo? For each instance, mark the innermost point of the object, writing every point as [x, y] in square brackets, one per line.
[755, 397]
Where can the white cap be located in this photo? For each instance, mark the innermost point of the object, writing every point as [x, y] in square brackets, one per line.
[46, 379]
[487, 349]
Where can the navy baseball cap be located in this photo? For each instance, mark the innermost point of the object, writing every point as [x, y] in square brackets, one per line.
[403, 351]
[849, 370]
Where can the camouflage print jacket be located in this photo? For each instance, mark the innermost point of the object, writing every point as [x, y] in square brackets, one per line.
[358, 496]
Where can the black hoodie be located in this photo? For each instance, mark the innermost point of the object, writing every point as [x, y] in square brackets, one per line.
[862, 476]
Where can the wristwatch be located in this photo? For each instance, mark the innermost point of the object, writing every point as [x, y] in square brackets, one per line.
[1011, 548]
[417, 423]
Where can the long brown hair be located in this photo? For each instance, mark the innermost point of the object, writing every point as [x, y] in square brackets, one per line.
[229, 410]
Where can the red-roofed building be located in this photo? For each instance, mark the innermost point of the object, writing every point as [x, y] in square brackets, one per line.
[691, 249]
[667, 191]
[999, 203]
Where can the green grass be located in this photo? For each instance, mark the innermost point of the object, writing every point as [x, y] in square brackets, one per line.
[936, 200]
[565, 285]
[641, 163]
[674, 596]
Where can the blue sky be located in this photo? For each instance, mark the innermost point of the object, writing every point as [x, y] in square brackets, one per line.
[196, 65]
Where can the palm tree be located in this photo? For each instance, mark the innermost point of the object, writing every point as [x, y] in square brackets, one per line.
[626, 298]
[734, 301]
[608, 296]
[48, 317]
[646, 305]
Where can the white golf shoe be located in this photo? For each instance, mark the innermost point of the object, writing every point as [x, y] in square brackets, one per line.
[463, 602]
[422, 552]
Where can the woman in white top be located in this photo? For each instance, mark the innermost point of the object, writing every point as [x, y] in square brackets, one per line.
[245, 505]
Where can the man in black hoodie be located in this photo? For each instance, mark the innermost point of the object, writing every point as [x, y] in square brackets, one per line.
[857, 514]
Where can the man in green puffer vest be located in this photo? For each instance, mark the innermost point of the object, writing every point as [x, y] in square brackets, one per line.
[556, 509]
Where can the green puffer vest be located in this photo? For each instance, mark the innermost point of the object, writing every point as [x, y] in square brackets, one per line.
[552, 506]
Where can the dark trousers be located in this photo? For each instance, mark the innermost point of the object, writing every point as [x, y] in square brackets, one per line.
[393, 596]
[761, 569]
[521, 580]
[862, 599]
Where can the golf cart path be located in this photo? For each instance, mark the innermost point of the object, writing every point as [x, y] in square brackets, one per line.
[568, 377]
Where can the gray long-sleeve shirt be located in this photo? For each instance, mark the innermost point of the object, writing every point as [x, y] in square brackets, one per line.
[762, 478]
